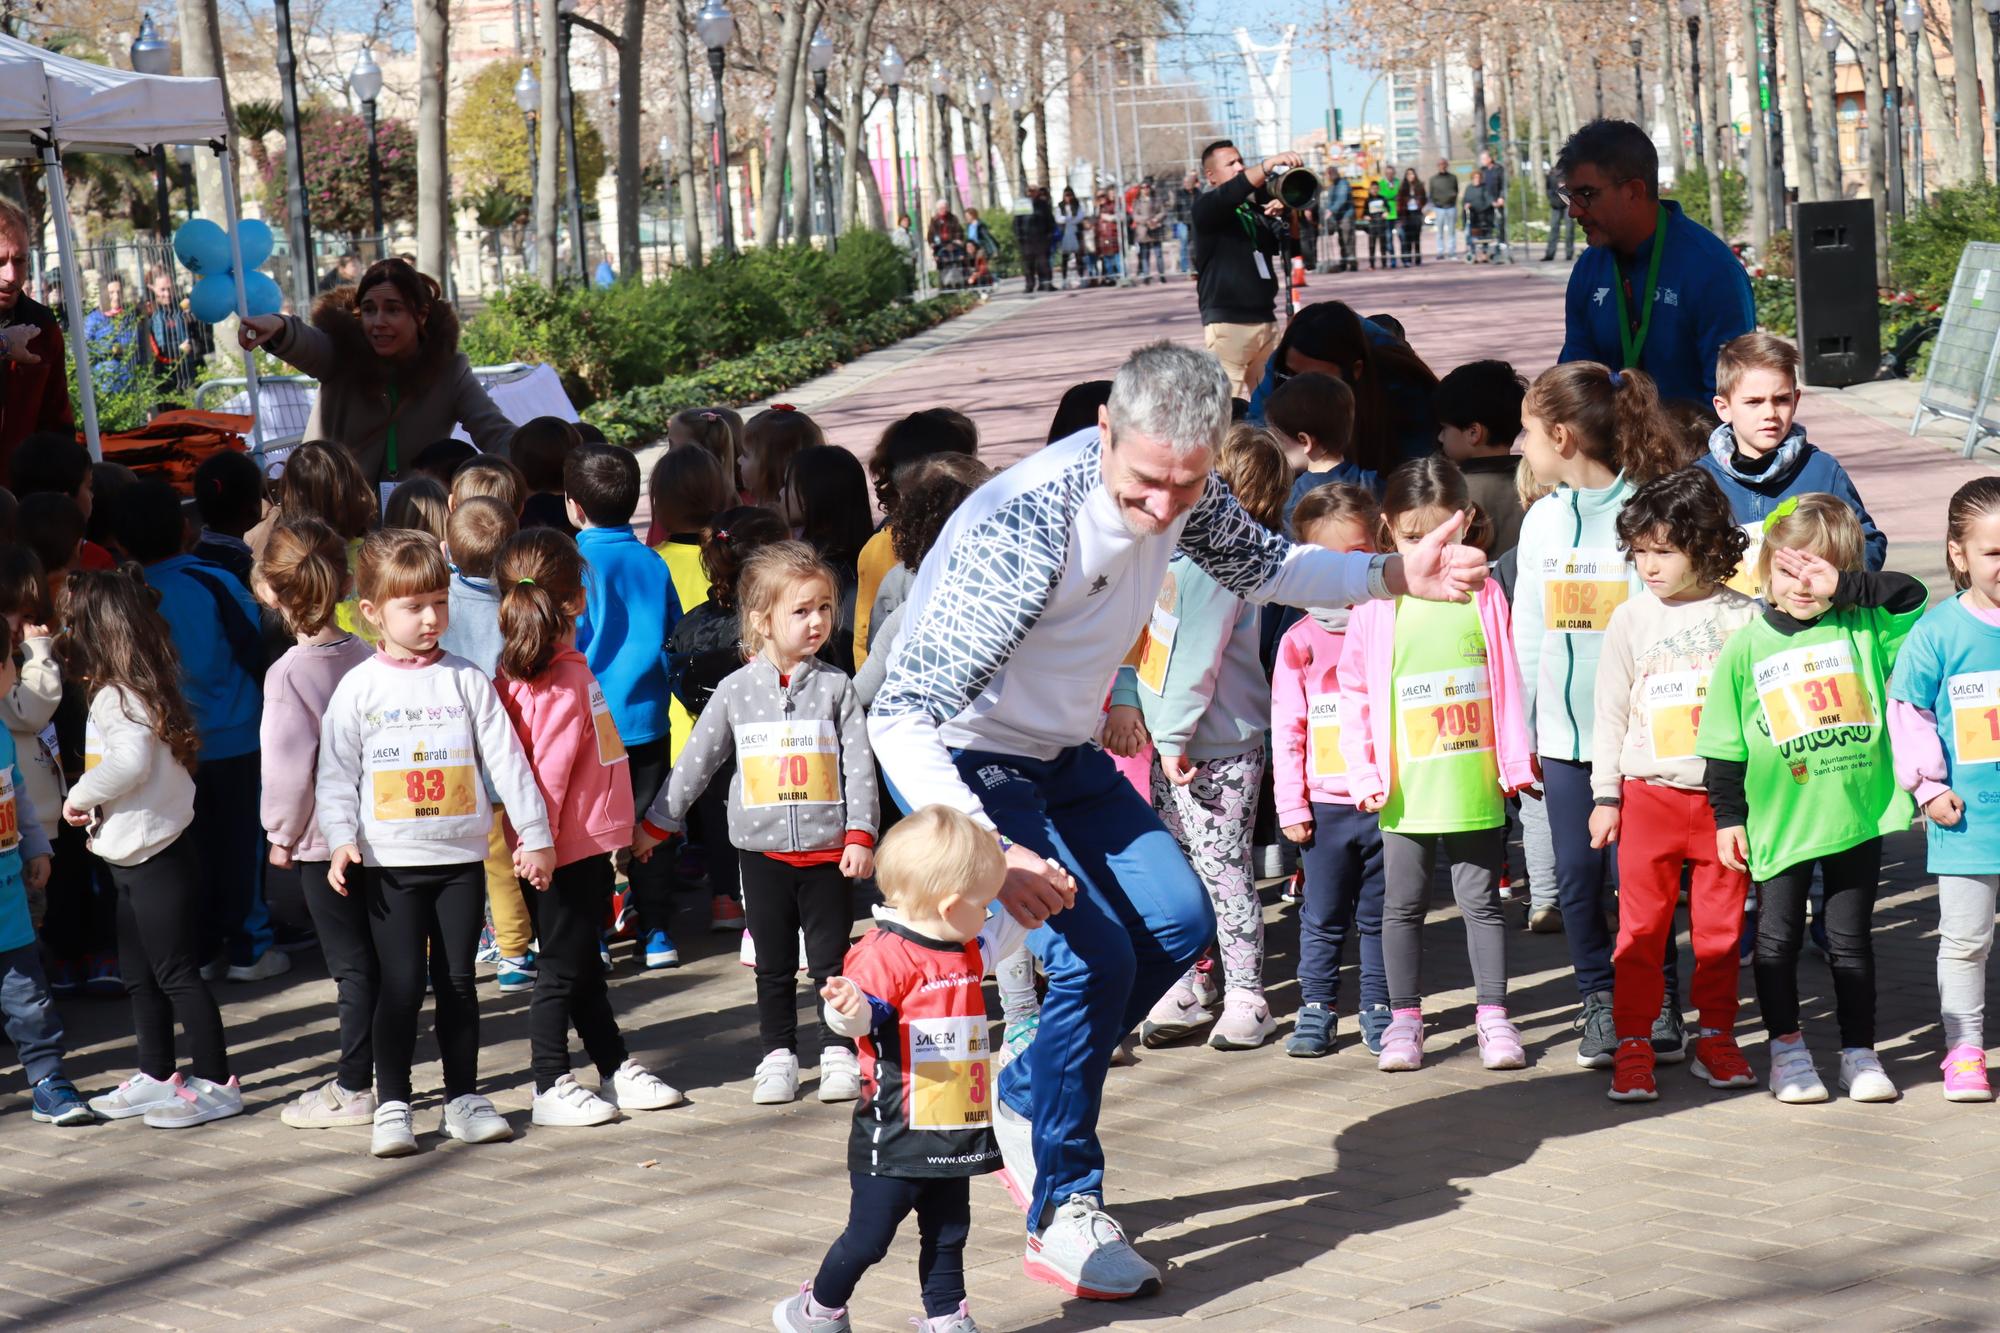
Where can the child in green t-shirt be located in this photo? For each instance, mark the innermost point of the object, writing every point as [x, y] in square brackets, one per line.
[1799, 773]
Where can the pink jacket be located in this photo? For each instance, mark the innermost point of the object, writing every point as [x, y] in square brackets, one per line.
[1365, 659]
[1308, 664]
[578, 760]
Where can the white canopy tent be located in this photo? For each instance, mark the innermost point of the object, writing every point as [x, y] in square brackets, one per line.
[52, 104]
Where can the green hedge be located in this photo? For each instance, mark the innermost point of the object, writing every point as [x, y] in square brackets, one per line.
[640, 415]
[604, 341]
[1924, 248]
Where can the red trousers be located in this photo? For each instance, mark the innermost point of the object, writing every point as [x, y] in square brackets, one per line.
[1659, 829]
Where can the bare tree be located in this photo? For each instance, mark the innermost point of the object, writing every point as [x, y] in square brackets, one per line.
[784, 92]
[1970, 142]
[433, 171]
[631, 66]
[1792, 87]
[1670, 80]
[1759, 176]
[687, 166]
[551, 144]
[201, 58]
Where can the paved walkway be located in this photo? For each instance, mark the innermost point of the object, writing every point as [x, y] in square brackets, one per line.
[1279, 1194]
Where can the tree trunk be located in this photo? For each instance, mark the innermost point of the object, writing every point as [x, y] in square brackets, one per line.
[1037, 95]
[433, 171]
[806, 184]
[1759, 178]
[1943, 168]
[1826, 121]
[855, 161]
[201, 58]
[1670, 80]
[1563, 94]
[631, 66]
[687, 159]
[1792, 93]
[1711, 110]
[546, 160]
[1475, 57]
[1982, 40]
[1968, 143]
[1867, 50]
[791, 42]
[1538, 143]
[978, 193]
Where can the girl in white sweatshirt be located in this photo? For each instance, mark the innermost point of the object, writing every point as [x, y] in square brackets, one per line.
[136, 798]
[401, 804]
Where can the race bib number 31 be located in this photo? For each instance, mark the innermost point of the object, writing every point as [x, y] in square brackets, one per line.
[1444, 713]
[423, 775]
[1812, 689]
[1673, 702]
[1975, 717]
[950, 1079]
[1580, 590]
[1323, 721]
[788, 763]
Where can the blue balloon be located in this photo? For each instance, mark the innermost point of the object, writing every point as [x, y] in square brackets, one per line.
[261, 292]
[214, 297]
[202, 246]
[254, 235]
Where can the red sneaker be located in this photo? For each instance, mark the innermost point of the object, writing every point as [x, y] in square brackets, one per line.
[1717, 1059]
[1632, 1072]
[724, 914]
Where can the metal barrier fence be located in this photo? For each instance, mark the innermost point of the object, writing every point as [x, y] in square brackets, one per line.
[1958, 385]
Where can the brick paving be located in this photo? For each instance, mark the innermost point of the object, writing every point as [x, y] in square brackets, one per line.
[1278, 1194]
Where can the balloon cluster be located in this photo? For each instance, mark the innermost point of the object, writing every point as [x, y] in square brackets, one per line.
[204, 248]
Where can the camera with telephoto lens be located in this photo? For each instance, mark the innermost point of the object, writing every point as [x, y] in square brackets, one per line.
[1294, 187]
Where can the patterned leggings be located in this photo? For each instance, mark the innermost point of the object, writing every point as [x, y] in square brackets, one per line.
[1212, 818]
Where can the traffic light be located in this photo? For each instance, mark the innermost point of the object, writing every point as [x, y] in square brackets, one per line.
[1493, 128]
[1339, 126]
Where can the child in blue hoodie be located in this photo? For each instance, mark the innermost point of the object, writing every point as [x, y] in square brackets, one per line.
[629, 614]
[1761, 457]
[215, 629]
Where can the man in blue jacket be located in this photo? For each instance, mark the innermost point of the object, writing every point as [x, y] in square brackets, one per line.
[1656, 290]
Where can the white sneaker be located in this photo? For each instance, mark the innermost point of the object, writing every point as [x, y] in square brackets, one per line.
[472, 1119]
[329, 1105]
[1861, 1075]
[746, 952]
[395, 1131]
[135, 1096]
[274, 963]
[1015, 1135]
[777, 1079]
[637, 1088]
[569, 1103]
[1083, 1252]
[1793, 1078]
[196, 1103]
[839, 1075]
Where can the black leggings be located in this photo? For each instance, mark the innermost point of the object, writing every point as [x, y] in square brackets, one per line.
[82, 920]
[341, 921]
[652, 880]
[569, 979]
[779, 900]
[159, 918]
[413, 910]
[944, 1220]
[1849, 916]
[711, 817]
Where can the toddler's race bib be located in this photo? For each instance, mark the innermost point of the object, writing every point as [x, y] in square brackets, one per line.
[950, 1078]
[10, 817]
[1581, 588]
[1444, 713]
[788, 763]
[1673, 701]
[1159, 647]
[422, 770]
[1806, 690]
[610, 745]
[1744, 580]
[1323, 731]
[1975, 717]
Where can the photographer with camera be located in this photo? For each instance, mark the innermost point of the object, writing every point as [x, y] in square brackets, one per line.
[1236, 261]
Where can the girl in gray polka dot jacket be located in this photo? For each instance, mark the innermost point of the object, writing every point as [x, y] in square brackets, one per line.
[802, 804]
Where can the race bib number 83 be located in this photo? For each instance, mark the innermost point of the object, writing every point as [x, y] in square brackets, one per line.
[423, 777]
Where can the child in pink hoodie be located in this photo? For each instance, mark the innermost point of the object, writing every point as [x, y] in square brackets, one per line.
[572, 744]
[1432, 730]
[1340, 847]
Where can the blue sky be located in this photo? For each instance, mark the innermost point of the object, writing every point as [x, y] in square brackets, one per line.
[1213, 20]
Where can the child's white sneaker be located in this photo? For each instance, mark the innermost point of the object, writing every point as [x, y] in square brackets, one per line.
[135, 1096]
[472, 1119]
[637, 1088]
[839, 1075]
[395, 1131]
[1794, 1080]
[777, 1079]
[196, 1103]
[1862, 1076]
[568, 1104]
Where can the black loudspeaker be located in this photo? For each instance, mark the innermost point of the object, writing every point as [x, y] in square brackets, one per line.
[1833, 259]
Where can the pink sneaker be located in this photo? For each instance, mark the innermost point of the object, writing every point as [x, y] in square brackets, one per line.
[1965, 1075]
[1403, 1042]
[1499, 1040]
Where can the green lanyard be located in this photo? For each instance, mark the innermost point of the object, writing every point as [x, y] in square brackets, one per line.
[1249, 221]
[1634, 343]
[390, 438]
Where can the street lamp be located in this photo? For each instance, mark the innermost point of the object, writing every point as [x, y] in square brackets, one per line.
[528, 96]
[150, 55]
[1638, 76]
[940, 85]
[1993, 22]
[366, 81]
[566, 108]
[716, 26]
[667, 174]
[1017, 98]
[819, 59]
[892, 68]
[982, 92]
[1892, 129]
[1691, 11]
[1913, 23]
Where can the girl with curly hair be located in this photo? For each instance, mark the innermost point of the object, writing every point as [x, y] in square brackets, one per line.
[1660, 646]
